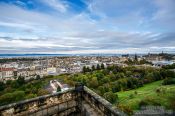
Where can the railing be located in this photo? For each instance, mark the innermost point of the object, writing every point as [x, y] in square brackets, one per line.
[70, 102]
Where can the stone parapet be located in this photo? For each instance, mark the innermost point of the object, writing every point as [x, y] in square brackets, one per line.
[74, 101]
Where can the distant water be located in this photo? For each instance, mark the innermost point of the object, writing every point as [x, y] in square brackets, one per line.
[30, 55]
[53, 55]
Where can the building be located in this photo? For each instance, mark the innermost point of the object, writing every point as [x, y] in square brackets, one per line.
[52, 71]
[162, 63]
[6, 72]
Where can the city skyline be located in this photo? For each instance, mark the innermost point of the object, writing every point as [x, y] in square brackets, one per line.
[87, 26]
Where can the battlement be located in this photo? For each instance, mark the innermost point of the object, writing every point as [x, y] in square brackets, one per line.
[76, 101]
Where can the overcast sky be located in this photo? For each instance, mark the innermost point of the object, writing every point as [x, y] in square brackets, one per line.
[87, 26]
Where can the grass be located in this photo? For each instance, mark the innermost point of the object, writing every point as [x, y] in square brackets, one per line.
[148, 91]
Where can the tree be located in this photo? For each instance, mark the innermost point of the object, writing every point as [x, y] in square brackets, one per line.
[111, 97]
[6, 98]
[30, 96]
[104, 80]
[98, 67]
[15, 84]
[168, 81]
[34, 90]
[115, 71]
[2, 86]
[8, 82]
[129, 61]
[93, 83]
[102, 66]
[135, 58]
[128, 73]
[84, 69]
[99, 75]
[115, 87]
[82, 79]
[157, 75]
[42, 92]
[37, 77]
[120, 75]
[12, 97]
[130, 83]
[58, 88]
[112, 77]
[93, 68]
[20, 80]
[149, 77]
[105, 71]
[101, 89]
[88, 69]
[18, 95]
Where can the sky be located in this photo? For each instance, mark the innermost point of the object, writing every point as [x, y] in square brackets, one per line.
[87, 26]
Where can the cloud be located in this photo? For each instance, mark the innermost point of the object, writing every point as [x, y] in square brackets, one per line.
[16, 25]
[58, 5]
[114, 41]
[165, 16]
[103, 27]
[155, 15]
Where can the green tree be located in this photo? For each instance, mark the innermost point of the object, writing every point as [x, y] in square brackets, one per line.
[15, 84]
[157, 75]
[93, 68]
[34, 90]
[115, 71]
[42, 92]
[149, 77]
[58, 89]
[83, 79]
[18, 95]
[115, 87]
[88, 69]
[2, 86]
[102, 90]
[6, 98]
[112, 77]
[12, 97]
[20, 80]
[30, 96]
[168, 81]
[84, 69]
[128, 73]
[111, 97]
[98, 67]
[37, 77]
[105, 71]
[104, 80]
[135, 58]
[93, 83]
[8, 82]
[99, 75]
[102, 66]
[130, 83]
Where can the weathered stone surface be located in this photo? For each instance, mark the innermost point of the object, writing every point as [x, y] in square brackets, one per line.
[75, 101]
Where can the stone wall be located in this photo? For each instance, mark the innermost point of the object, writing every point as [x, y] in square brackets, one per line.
[75, 101]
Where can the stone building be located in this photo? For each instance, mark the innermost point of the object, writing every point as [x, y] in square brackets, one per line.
[6, 72]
